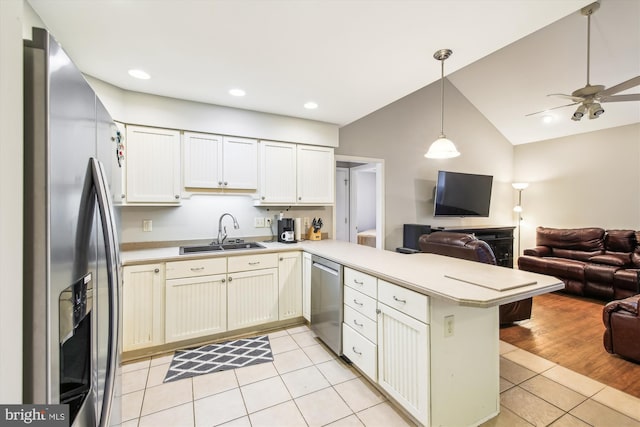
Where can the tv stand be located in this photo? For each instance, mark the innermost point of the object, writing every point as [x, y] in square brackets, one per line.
[500, 239]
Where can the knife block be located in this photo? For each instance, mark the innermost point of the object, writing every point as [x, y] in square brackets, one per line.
[314, 235]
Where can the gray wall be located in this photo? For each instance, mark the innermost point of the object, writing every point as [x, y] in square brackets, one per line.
[586, 180]
[401, 133]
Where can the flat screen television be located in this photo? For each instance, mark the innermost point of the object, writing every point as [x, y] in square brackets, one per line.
[462, 194]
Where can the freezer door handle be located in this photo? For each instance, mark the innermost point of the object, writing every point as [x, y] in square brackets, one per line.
[113, 278]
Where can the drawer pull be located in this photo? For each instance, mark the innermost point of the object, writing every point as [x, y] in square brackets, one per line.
[355, 322]
[355, 301]
[356, 351]
[254, 263]
[197, 268]
[358, 283]
[402, 301]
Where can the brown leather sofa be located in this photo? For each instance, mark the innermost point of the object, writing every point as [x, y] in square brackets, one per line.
[591, 262]
[467, 246]
[622, 322]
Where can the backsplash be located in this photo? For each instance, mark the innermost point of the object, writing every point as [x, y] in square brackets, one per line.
[197, 218]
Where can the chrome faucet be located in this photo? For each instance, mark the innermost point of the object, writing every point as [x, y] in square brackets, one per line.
[223, 235]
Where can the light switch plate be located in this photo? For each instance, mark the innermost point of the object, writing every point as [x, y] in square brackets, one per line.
[147, 225]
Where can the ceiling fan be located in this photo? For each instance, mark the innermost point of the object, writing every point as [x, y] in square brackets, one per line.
[590, 96]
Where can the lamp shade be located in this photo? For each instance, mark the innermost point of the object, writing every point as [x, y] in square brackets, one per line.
[442, 148]
[520, 185]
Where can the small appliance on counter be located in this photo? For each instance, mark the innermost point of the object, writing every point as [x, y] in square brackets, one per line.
[314, 231]
[286, 230]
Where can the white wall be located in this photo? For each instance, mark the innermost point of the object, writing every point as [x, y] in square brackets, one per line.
[586, 180]
[11, 17]
[197, 217]
[401, 133]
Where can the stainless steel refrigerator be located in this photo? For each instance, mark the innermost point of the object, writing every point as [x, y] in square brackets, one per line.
[72, 274]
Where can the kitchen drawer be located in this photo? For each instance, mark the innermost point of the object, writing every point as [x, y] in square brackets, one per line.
[404, 300]
[360, 302]
[360, 351]
[361, 324]
[196, 267]
[362, 282]
[252, 262]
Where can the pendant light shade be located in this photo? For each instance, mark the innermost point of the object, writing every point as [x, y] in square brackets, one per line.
[442, 148]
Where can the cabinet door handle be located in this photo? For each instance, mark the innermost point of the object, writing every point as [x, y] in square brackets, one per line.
[356, 351]
[254, 263]
[219, 182]
[402, 301]
[157, 270]
[225, 183]
[177, 196]
[223, 280]
[230, 278]
[355, 322]
[197, 268]
[299, 197]
[355, 301]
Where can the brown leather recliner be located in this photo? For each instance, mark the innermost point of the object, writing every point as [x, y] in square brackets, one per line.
[467, 246]
[622, 322]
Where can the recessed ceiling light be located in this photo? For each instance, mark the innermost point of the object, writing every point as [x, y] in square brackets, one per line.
[139, 74]
[547, 118]
[237, 92]
[310, 105]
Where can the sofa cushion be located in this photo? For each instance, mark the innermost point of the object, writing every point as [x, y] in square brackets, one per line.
[616, 259]
[620, 241]
[577, 239]
[577, 255]
[558, 267]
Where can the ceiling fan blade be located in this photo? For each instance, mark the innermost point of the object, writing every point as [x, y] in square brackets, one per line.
[562, 95]
[620, 98]
[622, 86]
[554, 108]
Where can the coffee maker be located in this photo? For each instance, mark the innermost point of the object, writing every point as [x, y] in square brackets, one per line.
[286, 230]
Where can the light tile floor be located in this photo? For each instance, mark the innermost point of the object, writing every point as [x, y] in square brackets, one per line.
[306, 385]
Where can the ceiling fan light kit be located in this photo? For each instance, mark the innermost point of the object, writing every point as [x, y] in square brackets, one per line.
[442, 148]
[590, 96]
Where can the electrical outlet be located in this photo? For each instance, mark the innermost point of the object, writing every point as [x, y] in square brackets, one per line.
[258, 222]
[267, 222]
[147, 225]
[449, 325]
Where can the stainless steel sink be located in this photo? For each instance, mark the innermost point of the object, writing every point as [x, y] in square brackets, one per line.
[218, 248]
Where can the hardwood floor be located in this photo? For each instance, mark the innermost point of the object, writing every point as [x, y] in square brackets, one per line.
[568, 330]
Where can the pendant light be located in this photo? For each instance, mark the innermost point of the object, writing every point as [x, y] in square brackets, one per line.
[442, 148]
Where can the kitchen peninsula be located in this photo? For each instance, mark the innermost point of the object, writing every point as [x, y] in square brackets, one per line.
[434, 348]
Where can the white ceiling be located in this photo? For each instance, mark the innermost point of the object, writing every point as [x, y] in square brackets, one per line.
[353, 57]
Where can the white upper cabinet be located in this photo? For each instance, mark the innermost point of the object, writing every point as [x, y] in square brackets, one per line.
[214, 161]
[153, 165]
[277, 173]
[295, 174]
[316, 172]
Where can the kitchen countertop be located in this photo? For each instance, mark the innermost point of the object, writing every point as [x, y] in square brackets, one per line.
[460, 281]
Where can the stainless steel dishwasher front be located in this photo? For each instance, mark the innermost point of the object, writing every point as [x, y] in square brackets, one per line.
[326, 302]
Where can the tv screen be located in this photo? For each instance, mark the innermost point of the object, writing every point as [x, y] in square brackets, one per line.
[462, 194]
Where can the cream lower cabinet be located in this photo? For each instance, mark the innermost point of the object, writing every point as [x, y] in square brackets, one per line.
[252, 290]
[403, 363]
[196, 298]
[306, 286]
[289, 285]
[143, 306]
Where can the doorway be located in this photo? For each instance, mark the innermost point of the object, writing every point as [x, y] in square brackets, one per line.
[359, 212]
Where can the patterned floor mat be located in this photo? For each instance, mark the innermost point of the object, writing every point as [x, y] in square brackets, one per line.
[219, 357]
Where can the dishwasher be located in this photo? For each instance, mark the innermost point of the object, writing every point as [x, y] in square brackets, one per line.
[326, 302]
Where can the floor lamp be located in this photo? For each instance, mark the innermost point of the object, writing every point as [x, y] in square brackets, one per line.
[518, 208]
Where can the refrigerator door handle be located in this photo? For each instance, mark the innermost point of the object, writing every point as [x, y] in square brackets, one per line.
[111, 251]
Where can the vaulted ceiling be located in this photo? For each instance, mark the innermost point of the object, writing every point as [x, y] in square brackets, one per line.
[352, 57]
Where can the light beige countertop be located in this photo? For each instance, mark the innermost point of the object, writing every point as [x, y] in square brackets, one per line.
[463, 282]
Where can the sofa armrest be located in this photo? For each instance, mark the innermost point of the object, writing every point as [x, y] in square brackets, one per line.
[628, 305]
[538, 251]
